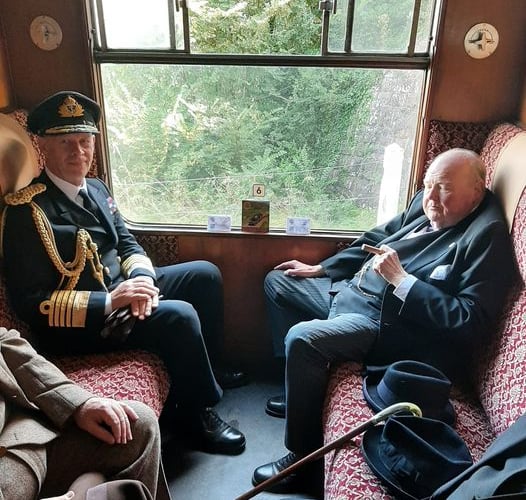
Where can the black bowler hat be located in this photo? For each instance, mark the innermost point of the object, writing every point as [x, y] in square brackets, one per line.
[65, 112]
[412, 382]
[414, 456]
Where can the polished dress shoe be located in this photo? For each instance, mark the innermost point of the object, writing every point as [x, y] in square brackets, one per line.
[276, 406]
[216, 436]
[305, 478]
[285, 485]
[230, 379]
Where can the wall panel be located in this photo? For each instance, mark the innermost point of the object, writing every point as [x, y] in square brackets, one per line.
[244, 260]
[37, 73]
[467, 89]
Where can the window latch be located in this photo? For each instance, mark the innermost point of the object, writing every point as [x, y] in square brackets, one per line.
[328, 6]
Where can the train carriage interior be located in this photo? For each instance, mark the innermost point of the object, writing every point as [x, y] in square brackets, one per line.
[248, 134]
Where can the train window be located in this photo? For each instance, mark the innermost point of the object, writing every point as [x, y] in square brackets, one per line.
[205, 98]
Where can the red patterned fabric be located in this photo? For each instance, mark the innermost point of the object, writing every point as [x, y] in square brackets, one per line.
[497, 139]
[502, 374]
[135, 375]
[447, 135]
[502, 387]
[163, 248]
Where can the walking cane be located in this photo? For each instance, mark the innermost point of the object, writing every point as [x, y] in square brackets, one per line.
[376, 419]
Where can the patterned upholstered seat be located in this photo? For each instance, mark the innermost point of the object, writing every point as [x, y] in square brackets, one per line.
[499, 397]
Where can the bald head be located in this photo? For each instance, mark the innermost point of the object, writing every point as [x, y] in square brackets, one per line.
[453, 187]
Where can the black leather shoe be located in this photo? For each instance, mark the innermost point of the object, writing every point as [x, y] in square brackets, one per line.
[289, 484]
[230, 379]
[308, 478]
[216, 436]
[276, 406]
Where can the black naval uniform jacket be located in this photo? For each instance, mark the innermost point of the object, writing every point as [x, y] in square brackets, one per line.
[463, 273]
[35, 284]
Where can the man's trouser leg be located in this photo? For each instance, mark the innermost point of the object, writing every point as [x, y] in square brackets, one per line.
[310, 348]
[291, 300]
[17, 479]
[173, 332]
[76, 452]
[199, 283]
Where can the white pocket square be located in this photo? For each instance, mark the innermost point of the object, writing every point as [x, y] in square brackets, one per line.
[440, 272]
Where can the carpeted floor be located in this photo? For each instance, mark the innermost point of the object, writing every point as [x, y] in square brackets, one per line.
[194, 475]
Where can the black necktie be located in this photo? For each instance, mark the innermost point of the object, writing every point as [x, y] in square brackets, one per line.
[89, 204]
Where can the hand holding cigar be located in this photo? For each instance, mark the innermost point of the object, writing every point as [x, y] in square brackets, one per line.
[371, 249]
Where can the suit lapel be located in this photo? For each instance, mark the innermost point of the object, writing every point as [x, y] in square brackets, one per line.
[432, 252]
[100, 199]
[74, 214]
[405, 230]
[429, 247]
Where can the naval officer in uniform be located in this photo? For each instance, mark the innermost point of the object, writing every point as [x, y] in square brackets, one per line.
[79, 278]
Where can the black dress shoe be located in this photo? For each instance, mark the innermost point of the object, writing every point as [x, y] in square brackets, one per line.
[309, 477]
[216, 436]
[285, 485]
[276, 406]
[230, 379]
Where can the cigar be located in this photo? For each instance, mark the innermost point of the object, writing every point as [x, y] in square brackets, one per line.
[371, 249]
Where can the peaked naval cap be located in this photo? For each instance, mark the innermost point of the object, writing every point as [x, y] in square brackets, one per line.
[65, 112]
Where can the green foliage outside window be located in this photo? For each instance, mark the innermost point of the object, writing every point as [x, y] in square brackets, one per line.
[175, 140]
[190, 140]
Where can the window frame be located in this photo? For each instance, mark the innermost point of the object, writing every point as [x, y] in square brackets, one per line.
[410, 60]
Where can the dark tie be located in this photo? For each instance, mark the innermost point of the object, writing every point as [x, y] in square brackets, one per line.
[89, 204]
[419, 231]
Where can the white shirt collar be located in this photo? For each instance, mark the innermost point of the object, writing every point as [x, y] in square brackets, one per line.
[70, 190]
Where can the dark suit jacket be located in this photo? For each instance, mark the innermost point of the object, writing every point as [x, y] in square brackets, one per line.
[501, 471]
[32, 276]
[463, 274]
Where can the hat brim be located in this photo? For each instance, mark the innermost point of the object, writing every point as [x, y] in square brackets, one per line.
[18, 158]
[370, 449]
[370, 393]
[83, 128]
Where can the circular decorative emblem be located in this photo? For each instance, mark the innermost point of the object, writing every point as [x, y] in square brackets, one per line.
[481, 40]
[45, 33]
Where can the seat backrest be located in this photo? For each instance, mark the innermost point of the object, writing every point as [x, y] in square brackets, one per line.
[445, 135]
[503, 371]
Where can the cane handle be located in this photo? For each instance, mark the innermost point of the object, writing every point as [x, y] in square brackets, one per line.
[397, 407]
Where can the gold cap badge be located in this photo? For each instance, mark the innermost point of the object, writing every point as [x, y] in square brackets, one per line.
[70, 108]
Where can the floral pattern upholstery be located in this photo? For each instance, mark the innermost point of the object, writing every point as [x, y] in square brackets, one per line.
[124, 375]
[499, 398]
[447, 135]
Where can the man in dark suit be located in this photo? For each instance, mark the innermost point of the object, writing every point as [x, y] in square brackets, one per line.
[52, 431]
[79, 278]
[430, 290]
[499, 474]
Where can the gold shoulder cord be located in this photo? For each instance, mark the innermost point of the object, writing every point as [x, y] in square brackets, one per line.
[86, 249]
